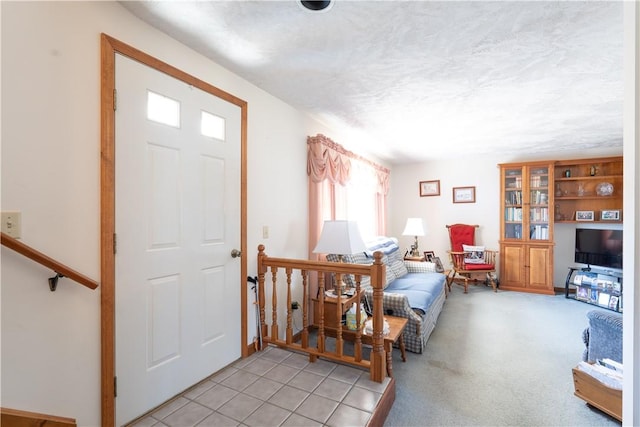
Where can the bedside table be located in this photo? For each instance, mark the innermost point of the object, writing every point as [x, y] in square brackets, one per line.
[414, 258]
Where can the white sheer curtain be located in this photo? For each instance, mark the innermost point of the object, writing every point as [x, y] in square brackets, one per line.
[357, 200]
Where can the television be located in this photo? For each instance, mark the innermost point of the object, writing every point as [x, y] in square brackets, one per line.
[599, 247]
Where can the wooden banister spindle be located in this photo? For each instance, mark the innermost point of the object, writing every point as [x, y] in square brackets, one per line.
[274, 304]
[320, 338]
[289, 332]
[338, 319]
[305, 309]
[262, 269]
[357, 347]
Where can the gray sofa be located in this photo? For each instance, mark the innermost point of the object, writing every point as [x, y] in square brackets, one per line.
[413, 290]
[603, 336]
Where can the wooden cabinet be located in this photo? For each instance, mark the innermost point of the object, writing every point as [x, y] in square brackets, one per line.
[534, 196]
[588, 190]
[526, 267]
[526, 227]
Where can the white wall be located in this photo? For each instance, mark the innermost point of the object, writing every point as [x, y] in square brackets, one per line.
[50, 172]
[483, 173]
[438, 211]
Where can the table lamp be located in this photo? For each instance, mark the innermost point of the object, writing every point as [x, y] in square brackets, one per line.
[414, 228]
[340, 237]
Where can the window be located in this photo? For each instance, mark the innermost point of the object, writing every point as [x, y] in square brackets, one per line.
[212, 126]
[163, 110]
[344, 186]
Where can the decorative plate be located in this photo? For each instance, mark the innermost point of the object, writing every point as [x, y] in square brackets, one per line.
[604, 189]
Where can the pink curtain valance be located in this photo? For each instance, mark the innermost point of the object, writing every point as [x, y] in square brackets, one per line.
[328, 160]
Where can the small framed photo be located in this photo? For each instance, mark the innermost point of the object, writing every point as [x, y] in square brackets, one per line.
[613, 302]
[439, 266]
[429, 256]
[584, 215]
[582, 293]
[430, 188]
[464, 194]
[610, 215]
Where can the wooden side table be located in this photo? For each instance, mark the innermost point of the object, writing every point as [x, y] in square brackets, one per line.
[396, 333]
[331, 308]
[448, 281]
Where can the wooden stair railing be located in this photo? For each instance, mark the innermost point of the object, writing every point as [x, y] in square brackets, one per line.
[15, 418]
[60, 269]
[270, 333]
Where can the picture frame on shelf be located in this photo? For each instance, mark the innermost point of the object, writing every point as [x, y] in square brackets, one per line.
[429, 256]
[610, 215]
[464, 194]
[613, 302]
[584, 216]
[430, 188]
[439, 266]
[582, 293]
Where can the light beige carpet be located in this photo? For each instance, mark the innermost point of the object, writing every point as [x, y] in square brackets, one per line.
[497, 359]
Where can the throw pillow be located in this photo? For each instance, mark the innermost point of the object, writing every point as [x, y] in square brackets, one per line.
[473, 254]
[398, 267]
[358, 258]
[391, 275]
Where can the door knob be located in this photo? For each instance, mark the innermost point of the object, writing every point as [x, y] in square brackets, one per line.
[235, 253]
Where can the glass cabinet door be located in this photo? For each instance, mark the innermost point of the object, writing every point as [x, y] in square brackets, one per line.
[513, 203]
[539, 203]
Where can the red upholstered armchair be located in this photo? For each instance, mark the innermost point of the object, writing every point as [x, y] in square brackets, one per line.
[467, 258]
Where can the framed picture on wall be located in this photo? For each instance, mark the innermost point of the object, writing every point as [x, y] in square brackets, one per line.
[430, 188]
[464, 194]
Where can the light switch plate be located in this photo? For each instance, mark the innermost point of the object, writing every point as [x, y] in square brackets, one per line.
[12, 223]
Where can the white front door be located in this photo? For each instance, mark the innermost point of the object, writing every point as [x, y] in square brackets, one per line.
[177, 221]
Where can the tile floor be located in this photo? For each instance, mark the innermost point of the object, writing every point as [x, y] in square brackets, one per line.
[274, 387]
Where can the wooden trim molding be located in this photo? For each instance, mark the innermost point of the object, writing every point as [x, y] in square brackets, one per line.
[109, 48]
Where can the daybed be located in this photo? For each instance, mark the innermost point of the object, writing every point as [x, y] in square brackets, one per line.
[413, 290]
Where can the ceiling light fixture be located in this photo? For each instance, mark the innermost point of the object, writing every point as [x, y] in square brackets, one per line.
[316, 6]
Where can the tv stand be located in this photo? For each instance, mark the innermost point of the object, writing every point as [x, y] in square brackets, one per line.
[596, 286]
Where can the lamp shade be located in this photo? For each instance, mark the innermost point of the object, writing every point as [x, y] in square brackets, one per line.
[340, 237]
[413, 227]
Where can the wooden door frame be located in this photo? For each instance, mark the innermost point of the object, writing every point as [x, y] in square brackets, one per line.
[109, 48]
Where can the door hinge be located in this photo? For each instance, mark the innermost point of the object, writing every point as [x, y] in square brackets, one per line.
[115, 386]
[115, 100]
[115, 243]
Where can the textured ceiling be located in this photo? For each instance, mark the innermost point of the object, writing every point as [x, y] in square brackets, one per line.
[409, 81]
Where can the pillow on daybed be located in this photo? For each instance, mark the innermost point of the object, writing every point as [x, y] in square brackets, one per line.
[395, 260]
[392, 258]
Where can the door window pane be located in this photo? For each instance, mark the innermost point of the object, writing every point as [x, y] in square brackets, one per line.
[163, 110]
[212, 126]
